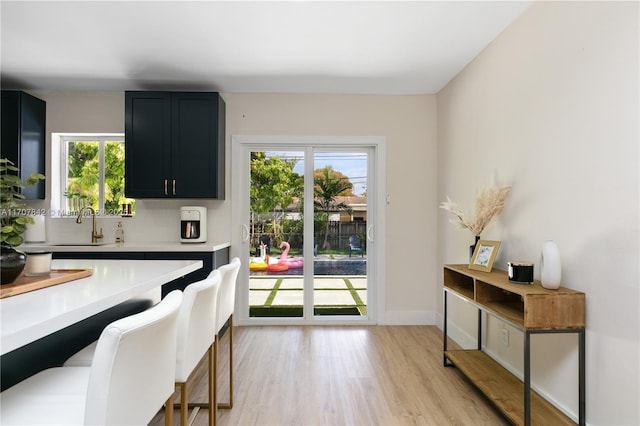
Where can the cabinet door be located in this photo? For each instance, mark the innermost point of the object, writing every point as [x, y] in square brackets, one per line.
[197, 148]
[148, 144]
[23, 136]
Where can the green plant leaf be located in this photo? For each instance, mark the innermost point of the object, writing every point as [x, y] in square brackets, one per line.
[13, 225]
[23, 220]
[14, 240]
[34, 178]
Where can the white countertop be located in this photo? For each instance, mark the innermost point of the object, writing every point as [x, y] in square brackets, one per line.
[33, 315]
[126, 247]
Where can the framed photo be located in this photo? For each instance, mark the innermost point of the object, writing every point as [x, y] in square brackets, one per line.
[484, 255]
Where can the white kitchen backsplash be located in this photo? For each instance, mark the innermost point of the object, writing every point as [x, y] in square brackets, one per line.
[155, 221]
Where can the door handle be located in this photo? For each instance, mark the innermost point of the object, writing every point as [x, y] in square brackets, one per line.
[166, 192]
[174, 187]
[245, 233]
[369, 233]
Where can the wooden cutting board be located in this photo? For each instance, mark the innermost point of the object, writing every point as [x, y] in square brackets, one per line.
[25, 284]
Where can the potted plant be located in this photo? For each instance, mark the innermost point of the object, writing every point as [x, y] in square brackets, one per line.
[14, 218]
[489, 204]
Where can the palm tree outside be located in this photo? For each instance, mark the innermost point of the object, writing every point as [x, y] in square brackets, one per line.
[328, 185]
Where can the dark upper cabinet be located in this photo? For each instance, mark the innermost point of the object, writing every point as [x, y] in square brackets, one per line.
[174, 145]
[147, 144]
[23, 136]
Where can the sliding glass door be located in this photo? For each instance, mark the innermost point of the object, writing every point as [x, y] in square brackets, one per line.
[307, 230]
[339, 230]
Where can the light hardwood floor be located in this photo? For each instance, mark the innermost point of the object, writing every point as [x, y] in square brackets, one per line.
[343, 375]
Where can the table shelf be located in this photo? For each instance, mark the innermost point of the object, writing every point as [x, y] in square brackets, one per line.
[530, 308]
[504, 389]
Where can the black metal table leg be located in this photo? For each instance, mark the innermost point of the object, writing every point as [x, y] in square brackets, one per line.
[527, 378]
[581, 378]
[444, 327]
[479, 329]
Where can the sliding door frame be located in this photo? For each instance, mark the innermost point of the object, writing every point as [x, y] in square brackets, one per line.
[241, 147]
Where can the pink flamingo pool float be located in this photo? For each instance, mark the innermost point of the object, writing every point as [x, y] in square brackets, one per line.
[291, 262]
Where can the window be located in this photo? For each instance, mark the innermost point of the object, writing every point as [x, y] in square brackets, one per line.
[90, 173]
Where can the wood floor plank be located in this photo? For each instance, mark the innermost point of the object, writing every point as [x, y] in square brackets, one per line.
[343, 375]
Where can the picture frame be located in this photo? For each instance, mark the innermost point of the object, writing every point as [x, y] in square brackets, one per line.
[484, 255]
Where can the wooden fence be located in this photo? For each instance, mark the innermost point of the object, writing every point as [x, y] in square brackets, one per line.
[338, 236]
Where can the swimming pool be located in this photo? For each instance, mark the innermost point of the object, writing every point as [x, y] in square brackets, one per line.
[325, 267]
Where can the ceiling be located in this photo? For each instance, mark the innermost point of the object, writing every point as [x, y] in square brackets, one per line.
[359, 47]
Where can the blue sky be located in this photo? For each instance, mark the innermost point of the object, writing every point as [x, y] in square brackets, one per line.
[351, 164]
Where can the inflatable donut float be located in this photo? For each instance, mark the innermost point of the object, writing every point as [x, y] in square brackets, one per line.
[257, 266]
[293, 262]
[278, 267]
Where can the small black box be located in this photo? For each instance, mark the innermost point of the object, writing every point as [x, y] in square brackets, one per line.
[521, 272]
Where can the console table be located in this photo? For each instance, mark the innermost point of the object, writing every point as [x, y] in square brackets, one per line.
[529, 308]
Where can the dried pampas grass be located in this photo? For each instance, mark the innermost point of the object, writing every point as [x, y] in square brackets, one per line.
[489, 204]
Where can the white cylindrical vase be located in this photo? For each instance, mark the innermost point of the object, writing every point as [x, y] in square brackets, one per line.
[550, 267]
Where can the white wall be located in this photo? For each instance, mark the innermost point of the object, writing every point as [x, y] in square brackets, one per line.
[409, 125]
[551, 107]
[407, 122]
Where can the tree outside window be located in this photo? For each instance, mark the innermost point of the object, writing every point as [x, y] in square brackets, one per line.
[93, 174]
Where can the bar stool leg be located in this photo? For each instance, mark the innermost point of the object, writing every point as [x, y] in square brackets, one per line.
[168, 412]
[229, 405]
[184, 408]
[213, 383]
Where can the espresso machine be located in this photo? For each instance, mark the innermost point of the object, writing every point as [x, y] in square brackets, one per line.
[193, 224]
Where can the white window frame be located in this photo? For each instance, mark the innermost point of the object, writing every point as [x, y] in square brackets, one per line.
[59, 166]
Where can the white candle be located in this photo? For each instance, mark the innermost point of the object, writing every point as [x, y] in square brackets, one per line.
[38, 263]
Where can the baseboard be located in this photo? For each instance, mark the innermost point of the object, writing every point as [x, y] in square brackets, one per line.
[407, 318]
[461, 337]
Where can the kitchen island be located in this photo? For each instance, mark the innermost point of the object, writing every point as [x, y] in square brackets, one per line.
[128, 247]
[39, 329]
[213, 255]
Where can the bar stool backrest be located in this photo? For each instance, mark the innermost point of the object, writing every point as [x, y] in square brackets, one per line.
[133, 368]
[227, 293]
[196, 324]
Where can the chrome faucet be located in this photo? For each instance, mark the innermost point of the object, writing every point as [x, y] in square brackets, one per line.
[94, 235]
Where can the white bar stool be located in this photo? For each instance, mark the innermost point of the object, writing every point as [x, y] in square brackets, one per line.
[131, 376]
[195, 338]
[226, 306]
